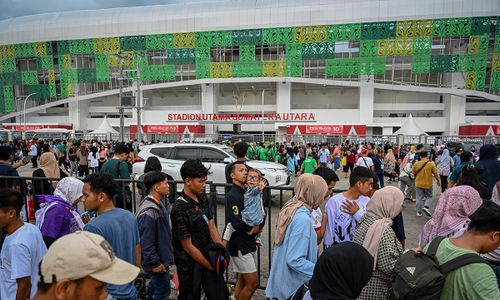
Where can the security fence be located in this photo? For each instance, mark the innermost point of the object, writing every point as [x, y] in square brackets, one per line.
[273, 199]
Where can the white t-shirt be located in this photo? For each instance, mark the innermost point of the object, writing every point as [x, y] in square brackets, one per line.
[21, 254]
[341, 226]
[364, 162]
[317, 217]
[93, 160]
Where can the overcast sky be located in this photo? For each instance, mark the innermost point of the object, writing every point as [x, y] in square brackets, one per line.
[15, 8]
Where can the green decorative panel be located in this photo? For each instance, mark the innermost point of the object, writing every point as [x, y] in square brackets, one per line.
[202, 55]
[344, 32]
[496, 48]
[8, 97]
[294, 51]
[63, 47]
[159, 41]
[214, 39]
[81, 46]
[247, 37]
[376, 31]
[86, 75]
[12, 78]
[247, 53]
[69, 75]
[45, 63]
[25, 50]
[368, 48]
[247, 69]
[372, 65]
[480, 81]
[203, 70]
[452, 27]
[422, 46]
[478, 44]
[131, 43]
[8, 65]
[42, 91]
[158, 72]
[318, 50]
[181, 56]
[29, 77]
[221, 70]
[481, 26]
[495, 81]
[445, 63]
[311, 34]
[473, 62]
[294, 67]
[421, 64]
[278, 36]
[342, 67]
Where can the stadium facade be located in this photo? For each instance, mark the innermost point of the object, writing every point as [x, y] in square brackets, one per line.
[317, 66]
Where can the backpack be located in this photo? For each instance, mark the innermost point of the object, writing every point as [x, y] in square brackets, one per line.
[419, 275]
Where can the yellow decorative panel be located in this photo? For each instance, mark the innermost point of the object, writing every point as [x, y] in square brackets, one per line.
[495, 66]
[40, 49]
[273, 68]
[6, 51]
[110, 45]
[311, 34]
[397, 47]
[416, 28]
[67, 61]
[52, 77]
[128, 60]
[470, 81]
[221, 70]
[184, 40]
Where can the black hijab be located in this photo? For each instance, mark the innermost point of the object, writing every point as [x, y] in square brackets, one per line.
[341, 272]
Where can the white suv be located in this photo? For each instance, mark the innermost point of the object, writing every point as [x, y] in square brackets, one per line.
[215, 157]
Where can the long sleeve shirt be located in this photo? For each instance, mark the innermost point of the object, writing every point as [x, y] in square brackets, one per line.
[293, 260]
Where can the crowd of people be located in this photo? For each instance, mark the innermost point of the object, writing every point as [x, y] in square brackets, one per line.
[360, 233]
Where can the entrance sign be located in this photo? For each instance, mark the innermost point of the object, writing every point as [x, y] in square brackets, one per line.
[242, 117]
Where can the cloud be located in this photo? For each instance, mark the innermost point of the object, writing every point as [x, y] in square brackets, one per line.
[16, 8]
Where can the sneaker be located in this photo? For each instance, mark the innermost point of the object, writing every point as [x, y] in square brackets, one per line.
[426, 211]
[419, 214]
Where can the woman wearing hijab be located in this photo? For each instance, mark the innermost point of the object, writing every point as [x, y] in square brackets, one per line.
[444, 163]
[48, 169]
[333, 277]
[296, 248]
[488, 166]
[374, 232]
[451, 216]
[58, 215]
[390, 164]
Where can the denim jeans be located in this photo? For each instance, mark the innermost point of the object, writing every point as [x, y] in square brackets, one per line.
[159, 286]
[423, 195]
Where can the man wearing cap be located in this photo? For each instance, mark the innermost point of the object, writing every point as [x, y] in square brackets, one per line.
[365, 161]
[78, 266]
[116, 225]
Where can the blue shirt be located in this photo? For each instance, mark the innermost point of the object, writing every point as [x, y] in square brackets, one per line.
[21, 254]
[119, 228]
[377, 162]
[323, 155]
[293, 260]
[456, 160]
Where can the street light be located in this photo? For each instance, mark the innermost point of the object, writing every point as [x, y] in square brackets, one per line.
[120, 108]
[24, 113]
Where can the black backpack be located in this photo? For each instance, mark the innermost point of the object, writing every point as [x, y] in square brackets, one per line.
[419, 275]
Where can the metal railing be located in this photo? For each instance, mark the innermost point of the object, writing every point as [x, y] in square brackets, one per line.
[273, 199]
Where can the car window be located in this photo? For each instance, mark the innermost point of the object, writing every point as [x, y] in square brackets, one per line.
[163, 152]
[211, 155]
[185, 153]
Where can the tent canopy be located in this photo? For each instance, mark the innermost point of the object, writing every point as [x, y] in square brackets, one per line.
[409, 127]
[105, 128]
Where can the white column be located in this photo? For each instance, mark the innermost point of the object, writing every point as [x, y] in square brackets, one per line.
[209, 104]
[77, 114]
[454, 113]
[283, 97]
[366, 95]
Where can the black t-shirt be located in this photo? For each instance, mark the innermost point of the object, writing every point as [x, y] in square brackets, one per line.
[8, 170]
[189, 220]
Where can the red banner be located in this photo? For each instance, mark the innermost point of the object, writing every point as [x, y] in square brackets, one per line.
[168, 129]
[20, 127]
[479, 130]
[326, 129]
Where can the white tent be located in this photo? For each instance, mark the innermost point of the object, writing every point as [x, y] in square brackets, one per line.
[409, 127]
[104, 129]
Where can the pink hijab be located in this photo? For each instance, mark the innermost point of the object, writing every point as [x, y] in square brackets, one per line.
[451, 215]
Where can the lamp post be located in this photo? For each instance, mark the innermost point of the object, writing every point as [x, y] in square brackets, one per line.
[120, 108]
[138, 100]
[262, 116]
[24, 113]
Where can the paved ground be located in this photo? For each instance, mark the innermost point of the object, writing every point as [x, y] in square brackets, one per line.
[413, 225]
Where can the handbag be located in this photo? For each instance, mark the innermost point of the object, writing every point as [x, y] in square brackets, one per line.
[300, 292]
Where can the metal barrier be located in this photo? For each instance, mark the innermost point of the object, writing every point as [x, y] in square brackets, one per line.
[273, 198]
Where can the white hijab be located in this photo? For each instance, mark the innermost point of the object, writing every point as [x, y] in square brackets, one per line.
[69, 189]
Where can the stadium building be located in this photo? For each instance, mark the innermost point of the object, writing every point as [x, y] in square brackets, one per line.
[288, 67]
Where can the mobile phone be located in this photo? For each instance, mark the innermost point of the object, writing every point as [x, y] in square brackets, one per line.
[27, 159]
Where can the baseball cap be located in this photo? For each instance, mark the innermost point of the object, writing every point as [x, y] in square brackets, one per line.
[81, 254]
